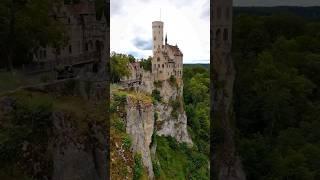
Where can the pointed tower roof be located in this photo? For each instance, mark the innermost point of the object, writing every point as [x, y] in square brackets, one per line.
[166, 40]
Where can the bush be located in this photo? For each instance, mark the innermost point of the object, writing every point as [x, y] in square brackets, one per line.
[120, 125]
[156, 95]
[173, 81]
[156, 168]
[138, 167]
[158, 84]
[127, 142]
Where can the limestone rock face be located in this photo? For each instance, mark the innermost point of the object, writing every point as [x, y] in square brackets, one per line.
[167, 124]
[68, 153]
[76, 156]
[140, 126]
[146, 82]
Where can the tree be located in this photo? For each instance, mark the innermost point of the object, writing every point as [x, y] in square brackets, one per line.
[119, 66]
[25, 27]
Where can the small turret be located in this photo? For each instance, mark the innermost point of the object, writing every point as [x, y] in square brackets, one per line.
[166, 40]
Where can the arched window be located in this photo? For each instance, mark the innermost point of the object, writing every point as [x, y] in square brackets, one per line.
[218, 35]
[225, 35]
[86, 47]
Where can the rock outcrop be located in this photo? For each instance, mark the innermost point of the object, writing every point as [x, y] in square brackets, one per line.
[66, 142]
[167, 123]
[140, 126]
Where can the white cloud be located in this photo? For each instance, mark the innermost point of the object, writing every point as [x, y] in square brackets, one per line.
[185, 22]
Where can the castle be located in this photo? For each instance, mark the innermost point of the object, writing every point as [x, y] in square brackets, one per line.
[167, 59]
[86, 37]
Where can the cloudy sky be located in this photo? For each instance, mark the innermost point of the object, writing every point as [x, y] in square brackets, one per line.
[185, 21]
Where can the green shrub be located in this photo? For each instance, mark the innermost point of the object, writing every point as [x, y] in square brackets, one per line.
[158, 84]
[156, 116]
[119, 125]
[121, 98]
[173, 81]
[156, 95]
[127, 142]
[156, 168]
[138, 167]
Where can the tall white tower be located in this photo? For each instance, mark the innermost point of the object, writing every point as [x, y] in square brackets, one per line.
[157, 35]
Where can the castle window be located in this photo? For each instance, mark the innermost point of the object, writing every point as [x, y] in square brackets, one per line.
[162, 65]
[160, 71]
[158, 65]
[154, 38]
[218, 34]
[158, 59]
[225, 34]
[86, 47]
[69, 21]
[70, 49]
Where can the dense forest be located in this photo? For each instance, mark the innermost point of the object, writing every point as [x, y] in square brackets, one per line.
[277, 95]
[177, 160]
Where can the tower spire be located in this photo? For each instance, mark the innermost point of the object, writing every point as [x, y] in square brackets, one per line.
[166, 40]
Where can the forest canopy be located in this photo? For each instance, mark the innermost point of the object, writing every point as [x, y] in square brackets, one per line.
[277, 95]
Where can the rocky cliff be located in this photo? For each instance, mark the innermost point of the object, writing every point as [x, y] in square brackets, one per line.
[140, 125]
[172, 118]
[54, 133]
[145, 116]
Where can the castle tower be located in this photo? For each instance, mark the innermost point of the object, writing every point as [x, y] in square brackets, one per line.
[222, 24]
[226, 165]
[157, 35]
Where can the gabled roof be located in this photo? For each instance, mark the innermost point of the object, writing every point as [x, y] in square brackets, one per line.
[175, 50]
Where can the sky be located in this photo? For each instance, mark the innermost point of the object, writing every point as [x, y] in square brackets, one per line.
[186, 23]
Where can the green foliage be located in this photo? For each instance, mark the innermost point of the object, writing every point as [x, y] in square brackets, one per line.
[119, 124]
[146, 64]
[178, 161]
[138, 167]
[156, 95]
[24, 28]
[127, 142]
[28, 122]
[197, 106]
[277, 96]
[157, 84]
[173, 81]
[119, 66]
[156, 168]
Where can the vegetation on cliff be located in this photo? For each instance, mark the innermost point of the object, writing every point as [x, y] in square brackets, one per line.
[177, 160]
